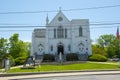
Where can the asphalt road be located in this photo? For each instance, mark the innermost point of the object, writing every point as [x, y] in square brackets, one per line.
[86, 77]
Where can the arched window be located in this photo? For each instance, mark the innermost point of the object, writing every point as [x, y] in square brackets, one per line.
[60, 32]
[80, 31]
[69, 48]
[54, 33]
[40, 49]
[81, 48]
[65, 33]
[51, 47]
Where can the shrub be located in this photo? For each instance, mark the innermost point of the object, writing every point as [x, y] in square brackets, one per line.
[72, 57]
[48, 58]
[20, 60]
[12, 60]
[98, 58]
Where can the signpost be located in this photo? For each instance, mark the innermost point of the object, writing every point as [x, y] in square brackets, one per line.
[7, 64]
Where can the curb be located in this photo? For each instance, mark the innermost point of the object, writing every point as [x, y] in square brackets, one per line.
[33, 73]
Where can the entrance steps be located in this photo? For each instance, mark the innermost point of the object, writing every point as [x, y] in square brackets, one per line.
[58, 59]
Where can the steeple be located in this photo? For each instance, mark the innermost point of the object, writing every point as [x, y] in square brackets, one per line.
[59, 9]
[47, 20]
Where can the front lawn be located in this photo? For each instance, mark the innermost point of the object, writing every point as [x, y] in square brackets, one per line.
[76, 66]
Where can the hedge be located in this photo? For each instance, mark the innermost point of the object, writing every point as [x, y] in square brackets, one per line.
[98, 58]
[20, 60]
[48, 58]
[72, 57]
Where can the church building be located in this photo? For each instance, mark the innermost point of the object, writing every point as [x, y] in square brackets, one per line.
[62, 36]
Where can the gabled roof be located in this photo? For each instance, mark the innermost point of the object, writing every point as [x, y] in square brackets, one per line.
[60, 18]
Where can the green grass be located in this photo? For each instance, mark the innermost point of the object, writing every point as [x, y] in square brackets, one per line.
[78, 66]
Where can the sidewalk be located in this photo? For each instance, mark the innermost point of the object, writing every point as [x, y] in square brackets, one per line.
[61, 74]
[3, 70]
[116, 63]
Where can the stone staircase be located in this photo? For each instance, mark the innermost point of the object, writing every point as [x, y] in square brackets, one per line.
[38, 59]
[33, 61]
[29, 61]
[57, 58]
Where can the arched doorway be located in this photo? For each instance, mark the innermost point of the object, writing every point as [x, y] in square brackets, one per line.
[60, 48]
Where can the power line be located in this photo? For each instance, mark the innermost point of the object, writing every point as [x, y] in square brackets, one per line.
[36, 26]
[49, 11]
[11, 24]
[105, 24]
[17, 24]
[14, 30]
[52, 29]
[93, 8]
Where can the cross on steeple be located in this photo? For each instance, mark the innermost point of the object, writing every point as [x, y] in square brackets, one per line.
[59, 8]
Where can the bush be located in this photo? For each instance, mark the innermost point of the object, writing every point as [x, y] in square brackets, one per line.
[12, 60]
[20, 60]
[48, 58]
[98, 58]
[72, 57]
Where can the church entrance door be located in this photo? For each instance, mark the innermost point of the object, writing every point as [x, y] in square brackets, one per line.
[60, 49]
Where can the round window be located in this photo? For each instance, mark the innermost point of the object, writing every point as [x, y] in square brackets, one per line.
[60, 18]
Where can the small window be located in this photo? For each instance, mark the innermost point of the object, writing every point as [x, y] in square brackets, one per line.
[51, 47]
[54, 33]
[65, 33]
[69, 48]
[80, 31]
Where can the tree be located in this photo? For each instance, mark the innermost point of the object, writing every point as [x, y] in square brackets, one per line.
[110, 45]
[17, 47]
[106, 40]
[27, 48]
[115, 46]
[13, 46]
[3, 48]
[3, 51]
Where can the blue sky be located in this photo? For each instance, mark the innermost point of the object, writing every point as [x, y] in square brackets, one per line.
[95, 15]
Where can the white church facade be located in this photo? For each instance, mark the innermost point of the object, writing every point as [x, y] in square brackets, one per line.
[62, 36]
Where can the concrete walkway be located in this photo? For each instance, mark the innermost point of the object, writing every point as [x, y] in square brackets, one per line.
[60, 74]
[3, 70]
[116, 63]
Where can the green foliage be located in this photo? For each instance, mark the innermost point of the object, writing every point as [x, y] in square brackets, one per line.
[110, 45]
[18, 48]
[96, 49]
[3, 51]
[98, 57]
[106, 40]
[3, 48]
[20, 60]
[72, 57]
[48, 58]
[15, 48]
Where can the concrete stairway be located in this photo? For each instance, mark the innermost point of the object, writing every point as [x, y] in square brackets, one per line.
[38, 59]
[57, 58]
